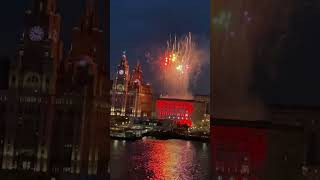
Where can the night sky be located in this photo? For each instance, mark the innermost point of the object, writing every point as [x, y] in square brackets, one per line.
[138, 27]
[141, 26]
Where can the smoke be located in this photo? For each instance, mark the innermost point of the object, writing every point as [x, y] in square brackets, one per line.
[237, 50]
[178, 66]
[232, 70]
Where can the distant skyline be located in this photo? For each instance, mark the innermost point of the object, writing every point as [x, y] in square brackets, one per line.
[142, 27]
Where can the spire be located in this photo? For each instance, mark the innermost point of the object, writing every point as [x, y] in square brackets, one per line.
[138, 67]
[90, 17]
[124, 60]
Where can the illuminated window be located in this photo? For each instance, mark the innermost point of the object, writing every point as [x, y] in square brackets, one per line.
[26, 165]
[66, 169]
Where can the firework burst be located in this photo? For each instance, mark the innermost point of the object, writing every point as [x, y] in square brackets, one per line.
[179, 55]
[180, 64]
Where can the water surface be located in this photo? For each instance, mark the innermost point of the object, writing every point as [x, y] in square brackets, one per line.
[159, 159]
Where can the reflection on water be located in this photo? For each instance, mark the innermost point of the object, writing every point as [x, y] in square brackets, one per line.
[159, 159]
[254, 150]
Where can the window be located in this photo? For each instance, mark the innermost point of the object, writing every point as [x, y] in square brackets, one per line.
[26, 165]
[32, 80]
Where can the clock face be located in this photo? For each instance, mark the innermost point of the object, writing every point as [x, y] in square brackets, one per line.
[121, 72]
[36, 33]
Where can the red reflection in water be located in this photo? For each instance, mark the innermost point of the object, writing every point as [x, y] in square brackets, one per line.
[170, 160]
[238, 152]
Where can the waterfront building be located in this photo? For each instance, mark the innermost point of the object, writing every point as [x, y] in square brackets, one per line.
[120, 88]
[204, 99]
[139, 95]
[55, 112]
[181, 111]
[131, 96]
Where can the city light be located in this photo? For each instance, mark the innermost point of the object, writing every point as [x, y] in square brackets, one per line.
[179, 68]
[169, 109]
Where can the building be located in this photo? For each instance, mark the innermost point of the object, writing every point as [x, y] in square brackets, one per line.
[55, 112]
[206, 100]
[130, 96]
[139, 95]
[120, 88]
[190, 112]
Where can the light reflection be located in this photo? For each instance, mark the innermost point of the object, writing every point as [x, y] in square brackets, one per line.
[170, 161]
[161, 159]
[188, 144]
[204, 146]
[115, 143]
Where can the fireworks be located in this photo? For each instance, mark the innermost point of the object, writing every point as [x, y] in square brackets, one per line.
[180, 64]
[178, 55]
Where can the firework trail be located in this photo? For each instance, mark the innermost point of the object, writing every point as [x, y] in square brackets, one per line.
[180, 64]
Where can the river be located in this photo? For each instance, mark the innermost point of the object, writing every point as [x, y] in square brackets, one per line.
[159, 160]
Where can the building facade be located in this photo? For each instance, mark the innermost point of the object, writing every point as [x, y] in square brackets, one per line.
[120, 88]
[56, 109]
[189, 112]
[131, 97]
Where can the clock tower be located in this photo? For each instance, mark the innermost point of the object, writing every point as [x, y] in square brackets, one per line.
[120, 88]
[32, 80]
[41, 36]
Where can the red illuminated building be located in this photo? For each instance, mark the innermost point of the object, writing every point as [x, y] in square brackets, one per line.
[177, 110]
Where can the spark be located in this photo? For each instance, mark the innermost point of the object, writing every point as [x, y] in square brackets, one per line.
[181, 60]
